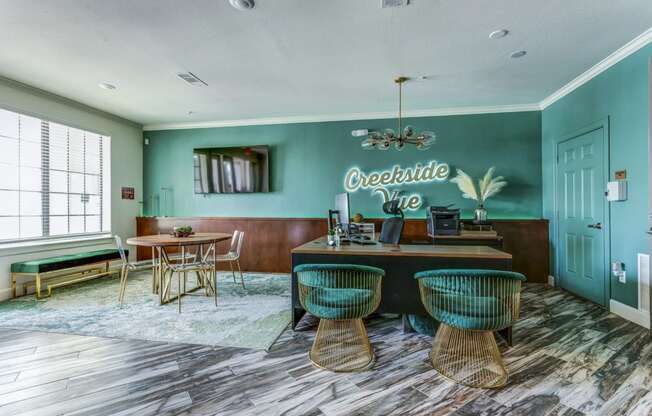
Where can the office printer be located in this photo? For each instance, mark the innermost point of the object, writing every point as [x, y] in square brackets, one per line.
[443, 221]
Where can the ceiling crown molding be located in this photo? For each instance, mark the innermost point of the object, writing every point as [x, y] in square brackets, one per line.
[629, 48]
[634, 45]
[451, 111]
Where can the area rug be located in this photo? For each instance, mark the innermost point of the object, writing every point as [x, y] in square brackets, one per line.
[253, 317]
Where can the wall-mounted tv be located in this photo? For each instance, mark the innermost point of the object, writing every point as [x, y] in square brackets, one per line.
[231, 170]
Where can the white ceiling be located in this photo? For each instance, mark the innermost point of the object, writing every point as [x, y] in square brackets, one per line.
[306, 57]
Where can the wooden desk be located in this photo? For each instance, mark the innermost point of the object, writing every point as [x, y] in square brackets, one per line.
[400, 291]
[469, 239]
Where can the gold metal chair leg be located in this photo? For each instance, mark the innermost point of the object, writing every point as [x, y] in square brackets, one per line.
[342, 346]
[232, 270]
[241, 276]
[179, 288]
[214, 284]
[124, 275]
[13, 285]
[468, 357]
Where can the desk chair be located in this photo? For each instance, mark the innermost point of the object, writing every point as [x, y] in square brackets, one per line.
[340, 295]
[470, 304]
[392, 228]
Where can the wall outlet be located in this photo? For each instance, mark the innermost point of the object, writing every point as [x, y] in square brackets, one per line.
[622, 277]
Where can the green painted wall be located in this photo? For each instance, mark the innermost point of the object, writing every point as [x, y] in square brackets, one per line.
[309, 161]
[621, 94]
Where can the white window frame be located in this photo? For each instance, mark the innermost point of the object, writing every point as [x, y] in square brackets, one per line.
[105, 192]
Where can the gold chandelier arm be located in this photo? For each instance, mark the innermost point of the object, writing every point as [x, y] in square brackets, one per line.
[400, 107]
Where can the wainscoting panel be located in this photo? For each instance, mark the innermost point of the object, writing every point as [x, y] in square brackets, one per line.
[268, 241]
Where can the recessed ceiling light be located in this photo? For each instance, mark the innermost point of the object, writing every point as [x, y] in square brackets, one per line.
[497, 34]
[242, 4]
[518, 54]
[106, 86]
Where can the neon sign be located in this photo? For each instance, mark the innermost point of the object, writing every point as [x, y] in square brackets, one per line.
[378, 181]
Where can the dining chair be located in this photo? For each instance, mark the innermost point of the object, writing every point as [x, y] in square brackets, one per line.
[340, 295]
[126, 267]
[470, 305]
[233, 255]
[201, 266]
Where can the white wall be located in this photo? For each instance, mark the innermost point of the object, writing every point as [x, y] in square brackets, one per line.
[126, 166]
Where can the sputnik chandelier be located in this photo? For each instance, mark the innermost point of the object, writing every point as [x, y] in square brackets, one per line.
[376, 140]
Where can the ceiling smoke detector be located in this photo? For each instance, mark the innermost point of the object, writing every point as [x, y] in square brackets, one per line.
[242, 4]
[518, 54]
[498, 34]
[106, 86]
[192, 79]
[394, 3]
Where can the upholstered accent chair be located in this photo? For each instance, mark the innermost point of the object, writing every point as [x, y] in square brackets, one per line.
[470, 304]
[340, 295]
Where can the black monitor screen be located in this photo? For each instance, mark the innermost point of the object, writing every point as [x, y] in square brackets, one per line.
[231, 170]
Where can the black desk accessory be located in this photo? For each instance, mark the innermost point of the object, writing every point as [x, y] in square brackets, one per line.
[443, 220]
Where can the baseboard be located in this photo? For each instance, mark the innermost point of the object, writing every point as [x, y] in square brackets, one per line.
[551, 281]
[635, 315]
[5, 294]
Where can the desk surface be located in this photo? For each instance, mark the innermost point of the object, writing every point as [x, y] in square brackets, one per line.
[319, 246]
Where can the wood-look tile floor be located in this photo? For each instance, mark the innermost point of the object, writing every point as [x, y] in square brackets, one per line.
[570, 357]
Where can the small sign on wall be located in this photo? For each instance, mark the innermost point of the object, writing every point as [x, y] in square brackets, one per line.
[128, 192]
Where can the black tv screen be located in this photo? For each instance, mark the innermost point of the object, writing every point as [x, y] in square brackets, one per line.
[231, 170]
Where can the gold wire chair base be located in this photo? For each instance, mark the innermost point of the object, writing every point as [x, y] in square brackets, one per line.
[468, 357]
[342, 346]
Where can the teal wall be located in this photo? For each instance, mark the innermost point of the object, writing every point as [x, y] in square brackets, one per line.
[309, 161]
[621, 95]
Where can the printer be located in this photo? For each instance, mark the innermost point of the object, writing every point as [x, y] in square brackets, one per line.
[443, 221]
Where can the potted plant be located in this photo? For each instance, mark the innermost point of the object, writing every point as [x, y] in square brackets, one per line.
[488, 186]
[331, 236]
[182, 231]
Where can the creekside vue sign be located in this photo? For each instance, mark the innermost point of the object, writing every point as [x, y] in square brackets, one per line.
[379, 181]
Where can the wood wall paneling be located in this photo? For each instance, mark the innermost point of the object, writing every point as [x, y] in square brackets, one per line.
[268, 241]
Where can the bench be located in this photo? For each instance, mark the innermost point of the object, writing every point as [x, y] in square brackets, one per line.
[56, 270]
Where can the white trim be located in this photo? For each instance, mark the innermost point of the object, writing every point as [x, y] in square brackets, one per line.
[617, 56]
[551, 280]
[11, 249]
[5, 294]
[451, 111]
[637, 316]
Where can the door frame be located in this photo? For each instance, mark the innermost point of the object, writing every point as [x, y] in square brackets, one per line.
[606, 235]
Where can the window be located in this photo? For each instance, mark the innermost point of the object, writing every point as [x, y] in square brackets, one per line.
[54, 179]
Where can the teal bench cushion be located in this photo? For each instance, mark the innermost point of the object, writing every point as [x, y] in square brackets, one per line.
[66, 261]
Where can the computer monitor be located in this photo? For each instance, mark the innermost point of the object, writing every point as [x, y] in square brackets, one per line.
[342, 206]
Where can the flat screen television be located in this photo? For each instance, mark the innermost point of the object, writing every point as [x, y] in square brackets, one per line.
[231, 170]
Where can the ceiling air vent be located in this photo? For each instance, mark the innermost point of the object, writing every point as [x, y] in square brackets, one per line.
[191, 79]
[394, 3]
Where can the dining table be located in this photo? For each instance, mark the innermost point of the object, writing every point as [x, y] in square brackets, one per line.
[203, 245]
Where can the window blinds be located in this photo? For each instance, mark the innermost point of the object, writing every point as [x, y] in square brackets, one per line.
[53, 179]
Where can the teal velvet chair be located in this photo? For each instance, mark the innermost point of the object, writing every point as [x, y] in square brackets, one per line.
[470, 304]
[340, 295]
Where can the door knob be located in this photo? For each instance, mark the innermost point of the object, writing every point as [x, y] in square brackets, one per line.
[597, 226]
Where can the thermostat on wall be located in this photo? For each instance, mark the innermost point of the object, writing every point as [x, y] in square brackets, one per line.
[617, 191]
